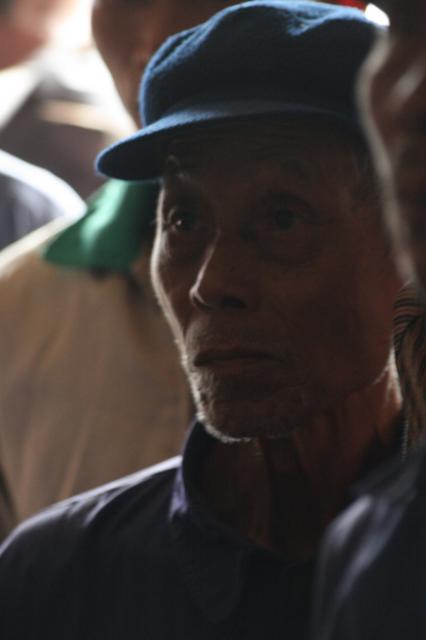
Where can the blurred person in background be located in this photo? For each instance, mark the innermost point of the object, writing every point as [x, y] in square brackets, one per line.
[51, 112]
[372, 574]
[90, 383]
[30, 197]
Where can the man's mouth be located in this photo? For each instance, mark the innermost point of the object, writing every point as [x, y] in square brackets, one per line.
[229, 357]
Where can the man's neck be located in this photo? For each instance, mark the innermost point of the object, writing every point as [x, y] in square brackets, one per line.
[281, 493]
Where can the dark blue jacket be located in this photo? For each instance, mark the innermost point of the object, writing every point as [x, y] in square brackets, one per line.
[144, 558]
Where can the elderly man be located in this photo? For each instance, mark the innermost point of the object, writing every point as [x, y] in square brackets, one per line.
[371, 581]
[271, 267]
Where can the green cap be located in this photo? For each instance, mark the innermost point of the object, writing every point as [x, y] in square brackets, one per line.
[110, 234]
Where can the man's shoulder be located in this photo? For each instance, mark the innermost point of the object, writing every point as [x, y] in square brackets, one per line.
[112, 514]
[84, 567]
[142, 488]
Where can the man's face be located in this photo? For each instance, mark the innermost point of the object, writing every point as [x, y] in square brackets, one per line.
[272, 270]
[29, 25]
[40, 16]
[127, 32]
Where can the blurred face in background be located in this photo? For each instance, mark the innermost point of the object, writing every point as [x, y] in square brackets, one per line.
[127, 32]
[29, 25]
[40, 16]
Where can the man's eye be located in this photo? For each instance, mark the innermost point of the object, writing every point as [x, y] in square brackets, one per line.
[284, 219]
[181, 220]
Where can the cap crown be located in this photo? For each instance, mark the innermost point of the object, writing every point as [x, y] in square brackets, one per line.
[306, 47]
[256, 59]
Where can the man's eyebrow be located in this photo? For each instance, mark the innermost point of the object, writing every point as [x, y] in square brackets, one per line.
[177, 179]
[274, 159]
[177, 166]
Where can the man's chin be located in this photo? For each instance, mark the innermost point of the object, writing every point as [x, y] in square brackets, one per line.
[244, 427]
[232, 413]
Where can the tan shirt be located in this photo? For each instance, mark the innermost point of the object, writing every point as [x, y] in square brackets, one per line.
[90, 384]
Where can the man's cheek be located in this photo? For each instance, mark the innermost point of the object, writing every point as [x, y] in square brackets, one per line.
[336, 331]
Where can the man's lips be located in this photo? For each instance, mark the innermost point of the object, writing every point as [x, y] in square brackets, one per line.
[212, 357]
[235, 361]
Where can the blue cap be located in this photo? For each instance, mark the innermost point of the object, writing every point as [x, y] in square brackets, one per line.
[251, 60]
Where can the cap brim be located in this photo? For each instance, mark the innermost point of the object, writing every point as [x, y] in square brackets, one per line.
[140, 156]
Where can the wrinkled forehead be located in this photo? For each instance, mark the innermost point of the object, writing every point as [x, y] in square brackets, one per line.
[299, 147]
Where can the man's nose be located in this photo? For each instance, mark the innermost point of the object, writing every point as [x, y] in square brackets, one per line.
[226, 278]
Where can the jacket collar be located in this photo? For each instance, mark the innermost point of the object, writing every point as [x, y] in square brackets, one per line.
[215, 560]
